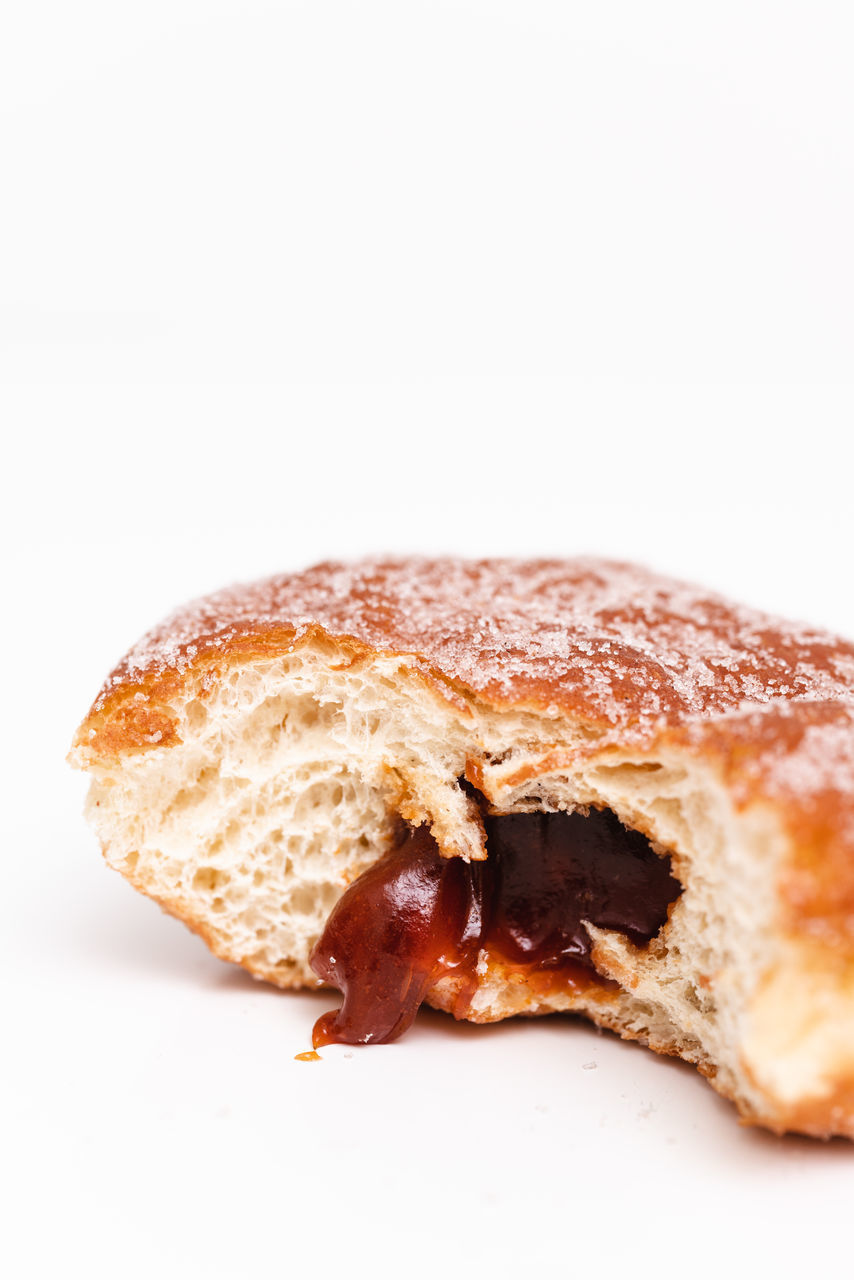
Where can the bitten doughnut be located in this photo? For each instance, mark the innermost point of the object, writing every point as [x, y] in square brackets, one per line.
[504, 787]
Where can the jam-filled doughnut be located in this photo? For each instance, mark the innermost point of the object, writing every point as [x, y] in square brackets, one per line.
[503, 787]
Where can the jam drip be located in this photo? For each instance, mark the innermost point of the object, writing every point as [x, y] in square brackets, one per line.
[416, 917]
[403, 924]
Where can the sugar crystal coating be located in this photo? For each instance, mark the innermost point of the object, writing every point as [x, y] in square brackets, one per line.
[611, 641]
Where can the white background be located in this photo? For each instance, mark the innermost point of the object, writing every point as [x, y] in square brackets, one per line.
[290, 280]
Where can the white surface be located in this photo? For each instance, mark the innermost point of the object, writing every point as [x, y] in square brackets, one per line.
[283, 281]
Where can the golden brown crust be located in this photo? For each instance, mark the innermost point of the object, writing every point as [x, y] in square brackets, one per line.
[640, 661]
[831, 1117]
[609, 643]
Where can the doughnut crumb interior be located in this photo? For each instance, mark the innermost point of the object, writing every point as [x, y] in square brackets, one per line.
[507, 787]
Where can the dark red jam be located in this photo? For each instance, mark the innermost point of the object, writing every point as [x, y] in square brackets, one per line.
[416, 917]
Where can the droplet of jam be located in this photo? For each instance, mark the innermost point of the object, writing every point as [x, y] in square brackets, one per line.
[415, 916]
[397, 929]
[308, 1056]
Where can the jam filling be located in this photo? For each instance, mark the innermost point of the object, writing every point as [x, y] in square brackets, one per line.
[416, 917]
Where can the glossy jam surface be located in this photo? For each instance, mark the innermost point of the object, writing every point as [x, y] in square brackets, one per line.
[400, 926]
[416, 917]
